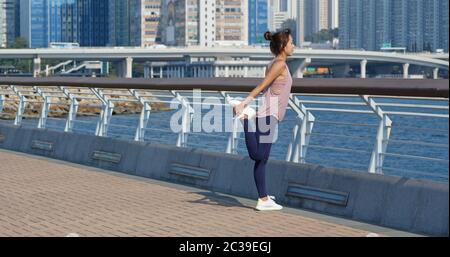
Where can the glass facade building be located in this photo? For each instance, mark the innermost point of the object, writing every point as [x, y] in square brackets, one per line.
[417, 25]
[257, 21]
[119, 22]
[76, 21]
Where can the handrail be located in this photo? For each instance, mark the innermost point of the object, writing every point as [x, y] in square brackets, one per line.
[390, 87]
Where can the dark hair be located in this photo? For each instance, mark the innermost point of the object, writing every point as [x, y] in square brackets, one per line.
[278, 40]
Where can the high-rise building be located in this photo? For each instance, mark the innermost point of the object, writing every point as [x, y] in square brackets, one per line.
[315, 15]
[416, 25]
[7, 22]
[34, 22]
[444, 23]
[258, 21]
[92, 22]
[208, 20]
[231, 24]
[119, 22]
[180, 22]
[78, 21]
[144, 22]
[204, 22]
[63, 23]
[333, 14]
[278, 14]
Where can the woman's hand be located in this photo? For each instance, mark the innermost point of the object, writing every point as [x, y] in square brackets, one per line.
[238, 109]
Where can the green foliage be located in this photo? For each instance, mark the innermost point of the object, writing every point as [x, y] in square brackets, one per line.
[323, 36]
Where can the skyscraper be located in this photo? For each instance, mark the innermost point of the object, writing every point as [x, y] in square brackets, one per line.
[444, 23]
[416, 25]
[34, 22]
[119, 22]
[80, 21]
[145, 22]
[92, 22]
[7, 22]
[277, 14]
[315, 15]
[257, 21]
[231, 22]
[181, 25]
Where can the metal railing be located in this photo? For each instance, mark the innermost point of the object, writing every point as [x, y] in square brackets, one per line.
[314, 105]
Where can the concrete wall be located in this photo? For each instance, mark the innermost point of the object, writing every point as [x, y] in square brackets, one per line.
[405, 204]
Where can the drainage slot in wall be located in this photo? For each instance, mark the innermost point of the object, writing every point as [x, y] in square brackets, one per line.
[189, 171]
[105, 156]
[42, 145]
[318, 194]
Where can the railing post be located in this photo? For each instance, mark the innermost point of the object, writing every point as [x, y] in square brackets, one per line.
[186, 120]
[20, 107]
[143, 119]
[107, 107]
[383, 134]
[45, 108]
[301, 133]
[233, 138]
[2, 100]
[73, 109]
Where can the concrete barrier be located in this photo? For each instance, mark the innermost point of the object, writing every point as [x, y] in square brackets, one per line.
[406, 204]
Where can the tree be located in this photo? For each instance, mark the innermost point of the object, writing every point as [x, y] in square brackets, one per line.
[19, 43]
[323, 36]
[292, 25]
[20, 64]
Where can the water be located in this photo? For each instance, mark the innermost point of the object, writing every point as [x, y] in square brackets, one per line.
[355, 151]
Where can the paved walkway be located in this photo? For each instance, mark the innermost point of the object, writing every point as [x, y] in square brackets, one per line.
[45, 197]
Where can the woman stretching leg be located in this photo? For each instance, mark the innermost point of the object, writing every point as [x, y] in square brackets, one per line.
[259, 134]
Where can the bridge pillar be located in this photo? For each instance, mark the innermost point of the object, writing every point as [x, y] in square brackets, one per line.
[363, 69]
[435, 73]
[298, 66]
[127, 65]
[226, 71]
[245, 71]
[36, 67]
[405, 70]
[146, 72]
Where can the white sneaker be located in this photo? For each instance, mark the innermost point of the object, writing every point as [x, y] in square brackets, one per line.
[249, 111]
[269, 205]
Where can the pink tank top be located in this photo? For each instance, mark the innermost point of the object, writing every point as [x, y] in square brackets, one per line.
[276, 97]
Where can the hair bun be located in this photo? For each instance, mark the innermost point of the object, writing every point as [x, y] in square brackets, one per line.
[268, 35]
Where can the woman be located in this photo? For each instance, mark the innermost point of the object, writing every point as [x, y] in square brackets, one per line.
[276, 88]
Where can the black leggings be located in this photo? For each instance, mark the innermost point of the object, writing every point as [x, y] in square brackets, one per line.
[259, 137]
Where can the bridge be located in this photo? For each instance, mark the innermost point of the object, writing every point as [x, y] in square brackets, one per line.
[367, 194]
[208, 61]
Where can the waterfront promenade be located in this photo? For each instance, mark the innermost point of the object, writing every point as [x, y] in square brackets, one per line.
[46, 197]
